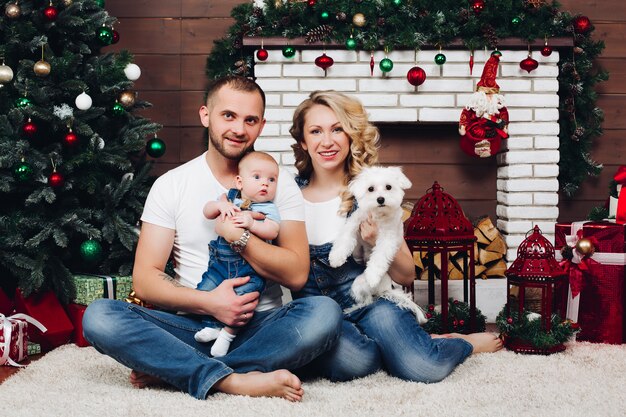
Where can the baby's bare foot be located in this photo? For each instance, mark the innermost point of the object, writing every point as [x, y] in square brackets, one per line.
[281, 383]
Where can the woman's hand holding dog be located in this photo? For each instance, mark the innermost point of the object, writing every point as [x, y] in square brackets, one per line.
[369, 230]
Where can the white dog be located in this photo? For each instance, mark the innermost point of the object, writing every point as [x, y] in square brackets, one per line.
[379, 192]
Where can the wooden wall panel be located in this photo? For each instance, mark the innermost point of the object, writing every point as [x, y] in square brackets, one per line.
[614, 36]
[165, 107]
[192, 142]
[614, 110]
[597, 9]
[204, 8]
[159, 72]
[616, 84]
[193, 72]
[143, 8]
[149, 36]
[610, 147]
[198, 35]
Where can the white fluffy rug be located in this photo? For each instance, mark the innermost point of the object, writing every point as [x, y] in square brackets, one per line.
[585, 380]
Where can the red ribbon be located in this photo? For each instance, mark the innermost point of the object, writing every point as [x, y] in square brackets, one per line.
[577, 272]
[620, 177]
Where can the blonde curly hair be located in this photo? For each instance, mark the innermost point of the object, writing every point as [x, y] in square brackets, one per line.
[364, 137]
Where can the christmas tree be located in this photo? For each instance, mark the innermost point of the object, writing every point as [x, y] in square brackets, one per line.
[73, 168]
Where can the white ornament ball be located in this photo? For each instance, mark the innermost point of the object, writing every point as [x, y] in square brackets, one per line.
[83, 101]
[132, 71]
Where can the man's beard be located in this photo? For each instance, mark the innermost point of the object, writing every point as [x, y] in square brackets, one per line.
[234, 155]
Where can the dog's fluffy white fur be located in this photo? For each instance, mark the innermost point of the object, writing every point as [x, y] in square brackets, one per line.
[378, 191]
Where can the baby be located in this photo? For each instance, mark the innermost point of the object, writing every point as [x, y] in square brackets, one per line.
[256, 188]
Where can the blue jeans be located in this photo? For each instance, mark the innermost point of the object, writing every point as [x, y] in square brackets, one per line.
[225, 263]
[162, 344]
[379, 335]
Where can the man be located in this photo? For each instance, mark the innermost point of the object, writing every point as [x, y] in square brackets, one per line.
[159, 345]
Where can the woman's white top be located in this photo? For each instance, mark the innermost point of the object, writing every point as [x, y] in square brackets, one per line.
[322, 221]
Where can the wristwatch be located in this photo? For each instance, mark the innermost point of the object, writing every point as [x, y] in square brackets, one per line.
[240, 244]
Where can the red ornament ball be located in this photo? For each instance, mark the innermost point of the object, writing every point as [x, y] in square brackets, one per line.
[116, 37]
[262, 54]
[29, 129]
[429, 315]
[582, 24]
[461, 322]
[56, 180]
[509, 320]
[529, 64]
[546, 51]
[311, 3]
[324, 61]
[70, 139]
[416, 76]
[431, 307]
[478, 6]
[51, 13]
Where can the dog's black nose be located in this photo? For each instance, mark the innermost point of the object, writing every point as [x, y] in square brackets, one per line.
[381, 200]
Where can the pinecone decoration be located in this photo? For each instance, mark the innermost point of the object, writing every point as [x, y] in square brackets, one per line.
[341, 16]
[318, 34]
[578, 134]
[464, 16]
[285, 21]
[257, 12]
[381, 21]
[490, 36]
[534, 4]
[241, 67]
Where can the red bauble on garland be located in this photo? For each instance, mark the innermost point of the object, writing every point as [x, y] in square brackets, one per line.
[529, 64]
[311, 3]
[56, 180]
[324, 62]
[478, 6]
[115, 37]
[582, 24]
[262, 54]
[51, 13]
[546, 50]
[29, 129]
[416, 76]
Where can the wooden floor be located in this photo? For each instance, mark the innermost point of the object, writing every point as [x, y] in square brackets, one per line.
[6, 371]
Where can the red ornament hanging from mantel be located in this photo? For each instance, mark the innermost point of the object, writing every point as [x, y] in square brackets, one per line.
[262, 54]
[324, 62]
[416, 76]
[529, 64]
[478, 6]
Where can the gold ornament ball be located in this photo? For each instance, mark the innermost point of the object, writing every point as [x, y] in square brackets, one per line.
[12, 11]
[127, 98]
[585, 247]
[67, 3]
[359, 20]
[41, 68]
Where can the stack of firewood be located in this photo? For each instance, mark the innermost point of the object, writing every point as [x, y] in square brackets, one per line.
[489, 255]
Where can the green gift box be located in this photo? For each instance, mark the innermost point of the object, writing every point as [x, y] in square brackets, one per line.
[92, 287]
[33, 348]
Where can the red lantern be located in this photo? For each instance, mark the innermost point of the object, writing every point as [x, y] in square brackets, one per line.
[262, 54]
[536, 268]
[529, 64]
[29, 129]
[416, 76]
[70, 139]
[582, 24]
[438, 226]
[51, 13]
[478, 6]
[56, 180]
[324, 62]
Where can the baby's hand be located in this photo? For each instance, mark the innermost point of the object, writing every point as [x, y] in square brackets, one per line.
[227, 209]
[243, 219]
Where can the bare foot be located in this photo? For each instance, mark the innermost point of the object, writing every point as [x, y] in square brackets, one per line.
[481, 342]
[281, 383]
[140, 380]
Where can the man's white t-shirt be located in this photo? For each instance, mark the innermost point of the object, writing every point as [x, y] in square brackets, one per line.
[176, 201]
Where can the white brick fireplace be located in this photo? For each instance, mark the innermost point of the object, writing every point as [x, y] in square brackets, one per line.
[527, 164]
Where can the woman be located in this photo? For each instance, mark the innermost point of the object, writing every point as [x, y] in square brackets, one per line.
[334, 141]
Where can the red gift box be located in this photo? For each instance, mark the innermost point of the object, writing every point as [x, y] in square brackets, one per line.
[6, 305]
[14, 337]
[599, 278]
[46, 308]
[75, 312]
